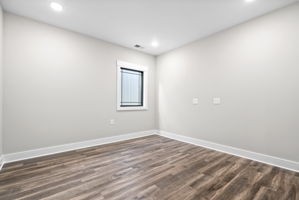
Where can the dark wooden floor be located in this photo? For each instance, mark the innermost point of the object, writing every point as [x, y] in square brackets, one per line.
[146, 169]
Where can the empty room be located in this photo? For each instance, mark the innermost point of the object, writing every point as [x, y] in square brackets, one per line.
[149, 100]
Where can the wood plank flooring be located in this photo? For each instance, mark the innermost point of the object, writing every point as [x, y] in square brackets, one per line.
[149, 168]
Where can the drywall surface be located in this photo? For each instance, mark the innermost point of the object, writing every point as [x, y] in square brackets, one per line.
[1, 81]
[60, 87]
[254, 69]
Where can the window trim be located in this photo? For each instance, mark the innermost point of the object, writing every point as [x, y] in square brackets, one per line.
[131, 66]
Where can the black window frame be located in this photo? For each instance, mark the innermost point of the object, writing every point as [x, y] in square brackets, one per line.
[142, 88]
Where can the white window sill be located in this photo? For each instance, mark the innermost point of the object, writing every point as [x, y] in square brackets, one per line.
[131, 108]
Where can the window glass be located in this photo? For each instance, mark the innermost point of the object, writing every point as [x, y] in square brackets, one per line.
[131, 88]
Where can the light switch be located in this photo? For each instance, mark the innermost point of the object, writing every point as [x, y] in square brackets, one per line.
[216, 100]
[195, 101]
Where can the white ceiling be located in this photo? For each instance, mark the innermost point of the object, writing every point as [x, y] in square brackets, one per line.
[172, 23]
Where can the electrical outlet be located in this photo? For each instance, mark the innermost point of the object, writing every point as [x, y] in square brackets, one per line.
[112, 121]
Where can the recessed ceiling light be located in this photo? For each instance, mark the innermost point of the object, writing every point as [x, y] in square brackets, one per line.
[155, 43]
[56, 6]
[249, 1]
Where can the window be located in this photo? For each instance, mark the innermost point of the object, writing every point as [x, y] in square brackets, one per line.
[131, 86]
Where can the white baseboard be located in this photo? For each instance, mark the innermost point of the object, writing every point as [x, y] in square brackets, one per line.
[12, 157]
[1, 162]
[275, 161]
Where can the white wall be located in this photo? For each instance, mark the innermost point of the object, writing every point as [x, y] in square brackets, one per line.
[1, 80]
[60, 87]
[254, 68]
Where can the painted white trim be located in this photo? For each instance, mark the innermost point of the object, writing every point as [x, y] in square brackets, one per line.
[1, 162]
[271, 160]
[144, 69]
[275, 161]
[73, 146]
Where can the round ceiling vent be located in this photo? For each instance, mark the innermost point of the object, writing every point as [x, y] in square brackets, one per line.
[138, 46]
